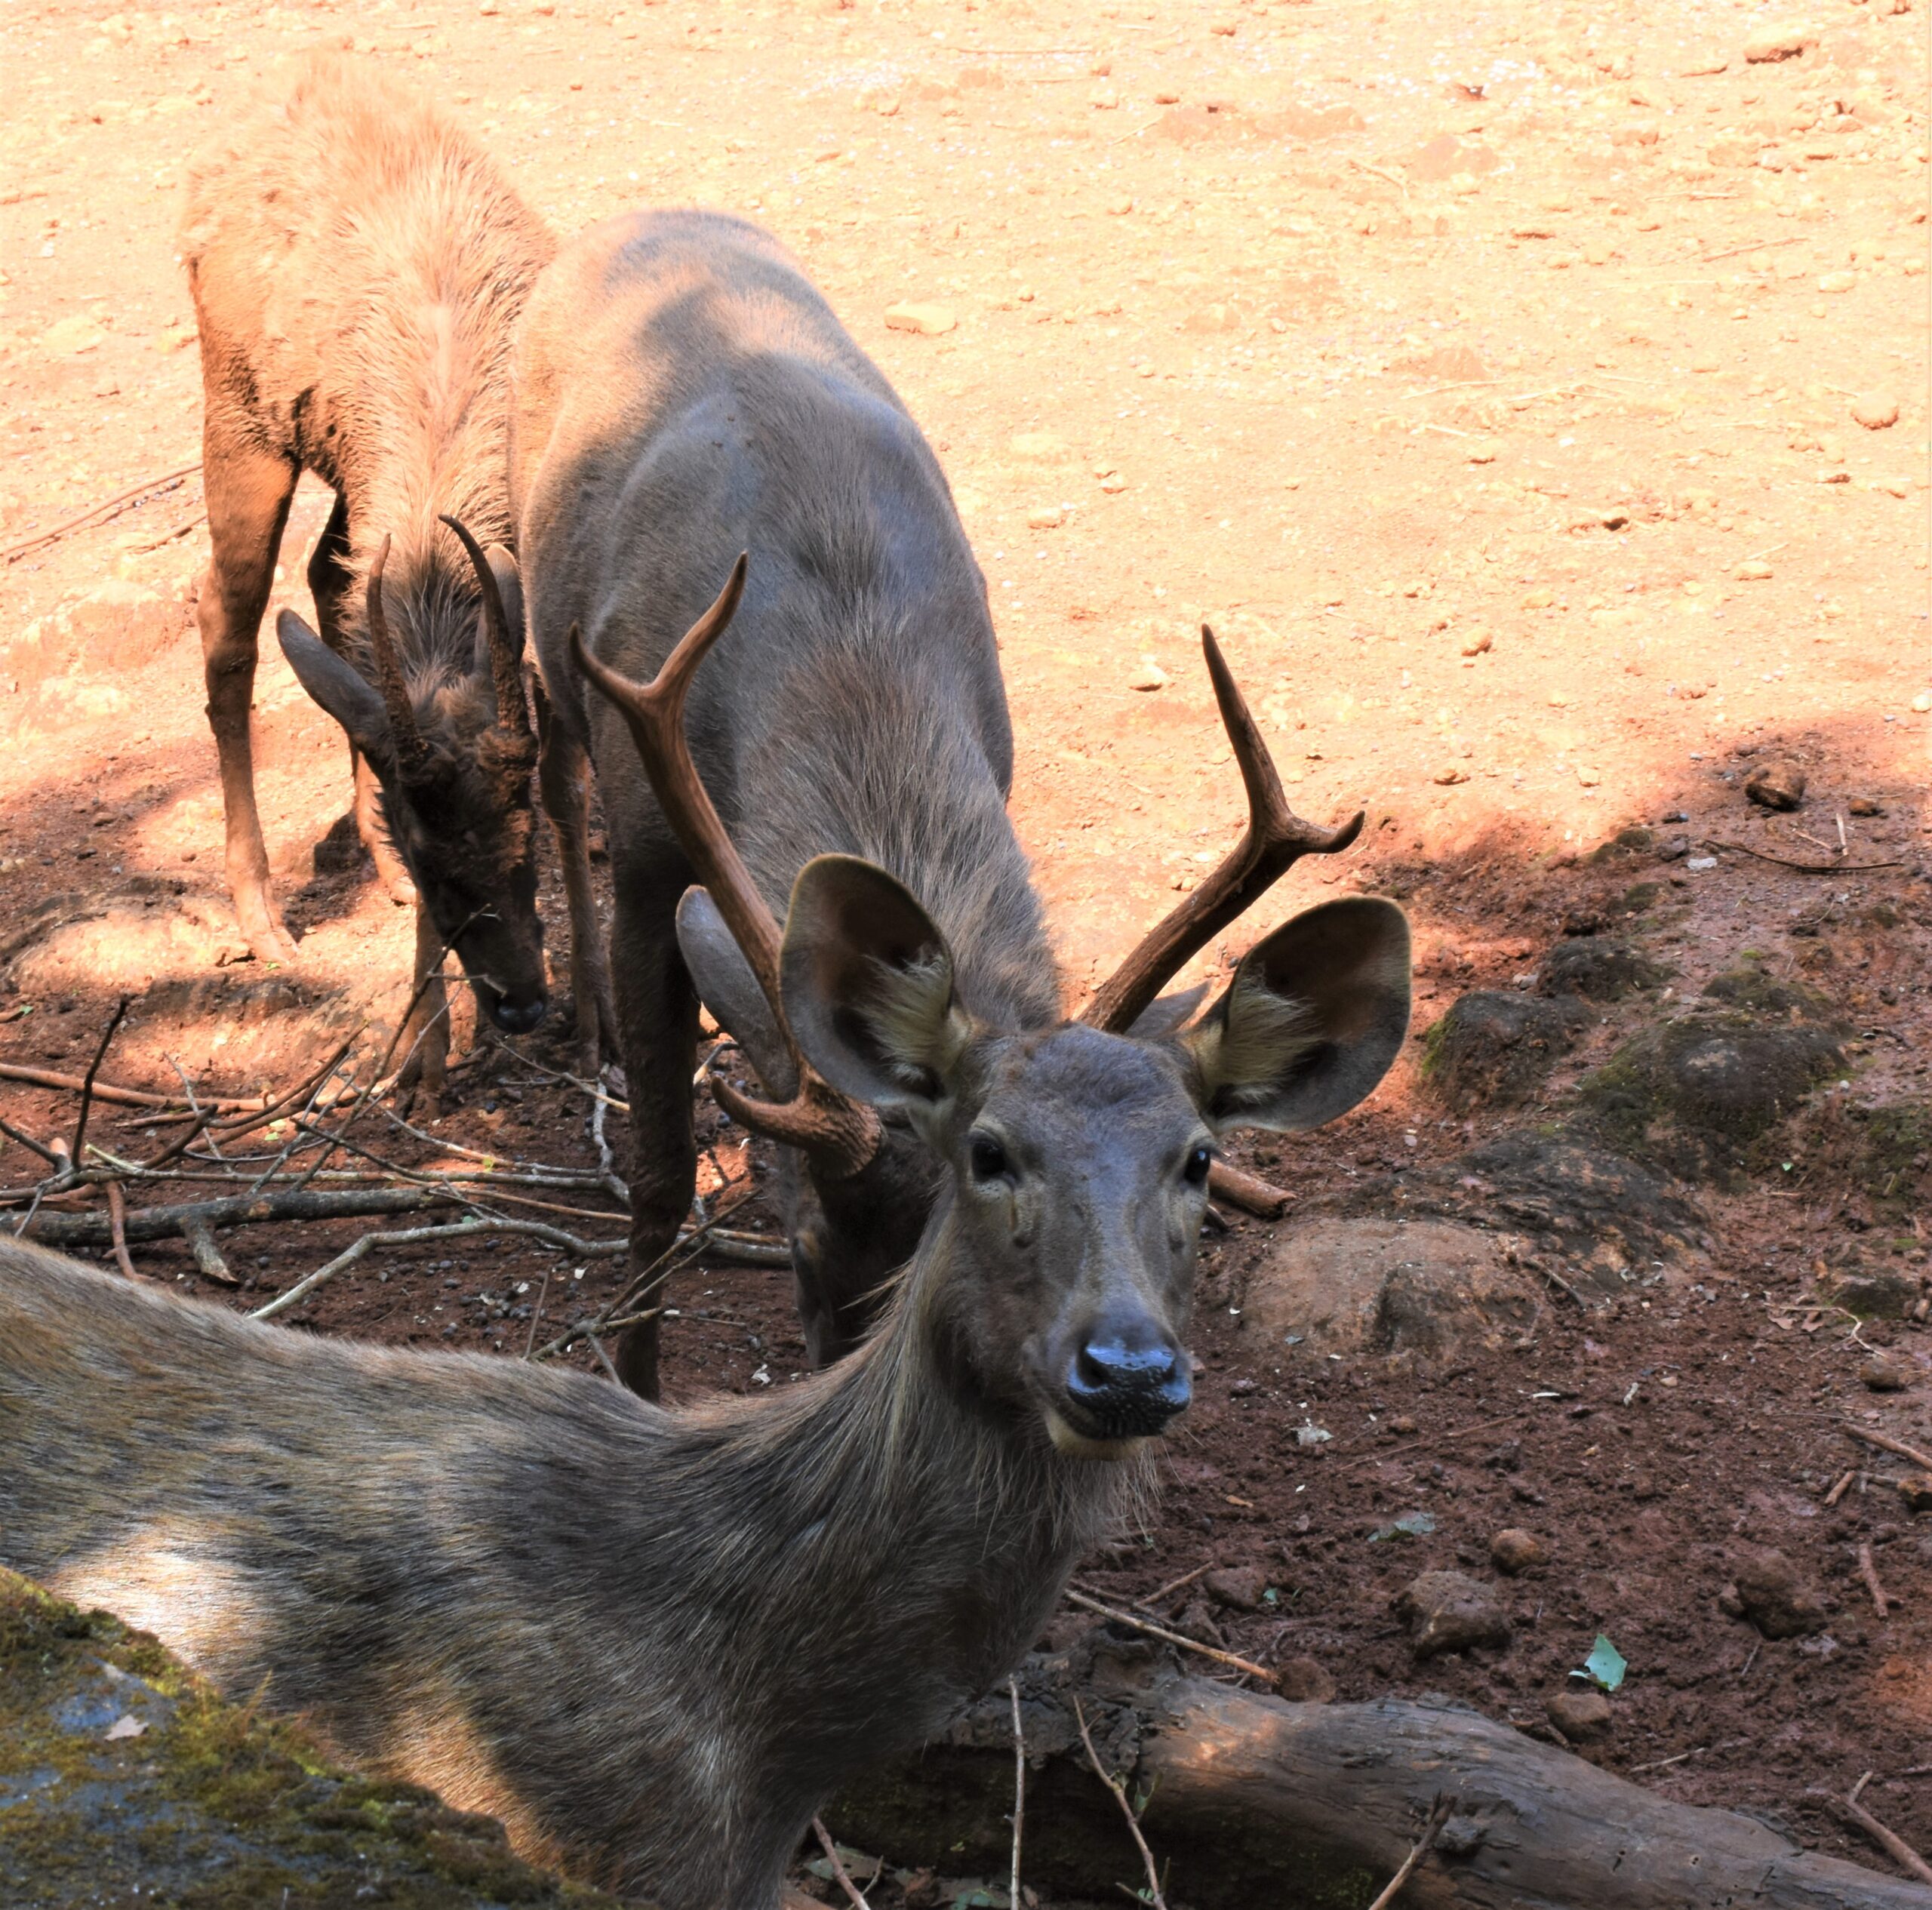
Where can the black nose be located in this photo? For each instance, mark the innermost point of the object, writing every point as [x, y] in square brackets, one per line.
[1128, 1383]
[517, 1017]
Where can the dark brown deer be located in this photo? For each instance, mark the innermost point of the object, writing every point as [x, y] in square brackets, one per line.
[654, 1643]
[358, 267]
[683, 394]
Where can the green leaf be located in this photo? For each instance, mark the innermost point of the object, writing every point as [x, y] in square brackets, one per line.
[1605, 1665]
[1410, 1525]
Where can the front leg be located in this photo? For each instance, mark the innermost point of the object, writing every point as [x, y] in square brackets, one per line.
[657, 1026]
[563, 783]
[389, 869]
[424, 1044]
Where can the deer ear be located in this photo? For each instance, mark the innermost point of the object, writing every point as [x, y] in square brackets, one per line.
[336, 685]
[1313, 1018]
[1168, 1013]
[727, 986]
[868, 982]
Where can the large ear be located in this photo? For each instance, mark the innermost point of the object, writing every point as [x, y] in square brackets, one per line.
[1169, 1013]
[336, 685]
[867, 983]
[727, 986]
[1313, 1018]
[509, 587]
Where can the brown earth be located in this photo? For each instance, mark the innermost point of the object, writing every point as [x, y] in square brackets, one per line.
[1500, 382]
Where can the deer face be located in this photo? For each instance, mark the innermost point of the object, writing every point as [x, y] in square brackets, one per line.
[1075, 1162]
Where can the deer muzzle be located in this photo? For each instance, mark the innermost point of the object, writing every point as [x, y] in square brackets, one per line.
[1125, 1379]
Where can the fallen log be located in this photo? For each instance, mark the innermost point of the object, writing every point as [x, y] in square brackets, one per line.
[1254, 1800]
[240, 1211]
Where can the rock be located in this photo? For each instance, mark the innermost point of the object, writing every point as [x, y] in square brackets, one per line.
[1049, 517]
[1450, 775]
[1599, 967]
[1150, 676]
[1775, 786]
[1477, 640]
[1197, 1622]
[1485, 450]
[1580, 1715]
[1515, 1552]
[1922, 702]
[1753, 569]
[69, 337]
[928, 321]
[1778, 43]
[1916, 1489]
[1495, 1049]
[1874, 1296]
[1426, 1289]
[1039, 447]
[1104, 97]
[1875, 413]
[1772, 1595]
[1304, 1681]
[1887, 1373]
[1864, 806]
[1837, 281]
[1448, 1611]
[1238, 1587]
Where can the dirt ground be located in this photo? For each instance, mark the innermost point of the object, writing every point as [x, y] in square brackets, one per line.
[1534, 399]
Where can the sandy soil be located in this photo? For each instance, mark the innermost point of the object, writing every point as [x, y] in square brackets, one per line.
[1534, 399]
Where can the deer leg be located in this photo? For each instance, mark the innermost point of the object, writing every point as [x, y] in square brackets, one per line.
[389, 869]
[248, 491]
[657, 1026]
[563, 784]
[424, 1044]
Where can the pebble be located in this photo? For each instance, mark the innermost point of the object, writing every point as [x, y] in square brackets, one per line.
[1875, 413]
[1780, 43]
[1589, 778]
[1915, 1488]
[1886, 1373]
[1113, 483]
[1105, 97]
[1765, 1588]
[929, 320]
[1450, 775]
[1514, 1551]
[1838, 281]
[1753, 569]
[1580, 1715]
[1485, 450]
[1150, 676]
[1476, 639]
[1049, 518]
[1775, 786]
[1119, 207]
[1922, 702]
[1238, 1587]
[1539, 600]
[1449, 1611]
[1870, 805]
[1304, 1681]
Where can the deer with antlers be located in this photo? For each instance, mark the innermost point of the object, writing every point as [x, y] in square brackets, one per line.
[358, 266]
[652, 1642]
[682, 393]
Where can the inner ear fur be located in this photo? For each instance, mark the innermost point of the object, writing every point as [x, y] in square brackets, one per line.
[868, 984]
[1313, 1017]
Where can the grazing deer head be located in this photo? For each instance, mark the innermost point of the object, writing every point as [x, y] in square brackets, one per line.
[1073, 1161]
[454, 755]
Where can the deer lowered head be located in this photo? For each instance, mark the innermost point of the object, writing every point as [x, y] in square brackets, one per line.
[454, 753]
[1073, 1161]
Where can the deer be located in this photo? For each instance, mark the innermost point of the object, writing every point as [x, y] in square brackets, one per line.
[682, 392]
[652, 1642]
[357, 266]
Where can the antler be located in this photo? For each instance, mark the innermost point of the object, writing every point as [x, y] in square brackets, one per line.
[411, 752]
[840, 1134]
[506, 649]
[1275, 839]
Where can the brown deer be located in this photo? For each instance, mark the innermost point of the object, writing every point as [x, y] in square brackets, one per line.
[652, 1642]
[683, 393]
[358, 266]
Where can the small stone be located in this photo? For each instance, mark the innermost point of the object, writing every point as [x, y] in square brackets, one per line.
[1305, 1681]
[1753, 569]
[1402, 1424]
[1515, 1552]
[1780, 43]
[1886, 1373]
[1485, 450]
[1120, 206]
[928, 321]
[69, 337]
[1580, 1715]
[1916, 1489]
[129, 1727]
[1539, 600]
[1450, 775]
[1838, 281]
[1104, 97]
[1150, 676]
[1770, 1594]
[1477, 639]
[1050, 517]
[1875, 414]
[1870, 805]
[1113, 483]
[1238, 1587]
[1922, 702]
[1775, 786]
[1589, 778]
[1448, 1611]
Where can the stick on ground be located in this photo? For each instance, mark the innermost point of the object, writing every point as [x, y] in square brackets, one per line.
[1437, 1818]
[114, 1021]
[1869, 1572]
[1180, 1638]
[1894, 1845]
[1126, 1810]
[1019, 1788]
[1890, 1445]
[852, 1893]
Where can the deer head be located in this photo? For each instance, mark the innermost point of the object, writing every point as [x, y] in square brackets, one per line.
[1065, 1168]
[454, 757]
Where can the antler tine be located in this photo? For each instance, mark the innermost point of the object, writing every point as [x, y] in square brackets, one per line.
[1275, 839]
[410, 751]
[842, 1134]
[505, 648]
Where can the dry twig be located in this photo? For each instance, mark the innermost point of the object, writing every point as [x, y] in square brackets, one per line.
[1019, 1788]
[117, 1226]
[1894, 1845]
[105, 509]
[1890, 1445]
[114, 1021]
[1432, 1830]
[1126, 1810]
[1839, 1490]
[1186, 1644]
[1869, 1572]
[537, 1313]
[1805, 868]
[853, 1895]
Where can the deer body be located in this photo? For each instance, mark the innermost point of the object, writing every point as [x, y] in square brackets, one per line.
[683, 394]
[357, 267]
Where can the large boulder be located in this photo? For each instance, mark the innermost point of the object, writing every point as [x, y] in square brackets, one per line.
[1493, 1048]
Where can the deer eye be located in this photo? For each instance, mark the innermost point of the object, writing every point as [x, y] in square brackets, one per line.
[1194, 1171]
[988, 1158]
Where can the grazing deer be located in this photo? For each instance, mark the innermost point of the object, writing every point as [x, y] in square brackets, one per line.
[652, 1642]
[682, 393]
[358, 266]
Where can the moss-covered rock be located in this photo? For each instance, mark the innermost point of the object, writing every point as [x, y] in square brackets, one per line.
[125, 1780]
[1496, 1049]
[1597, 968]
